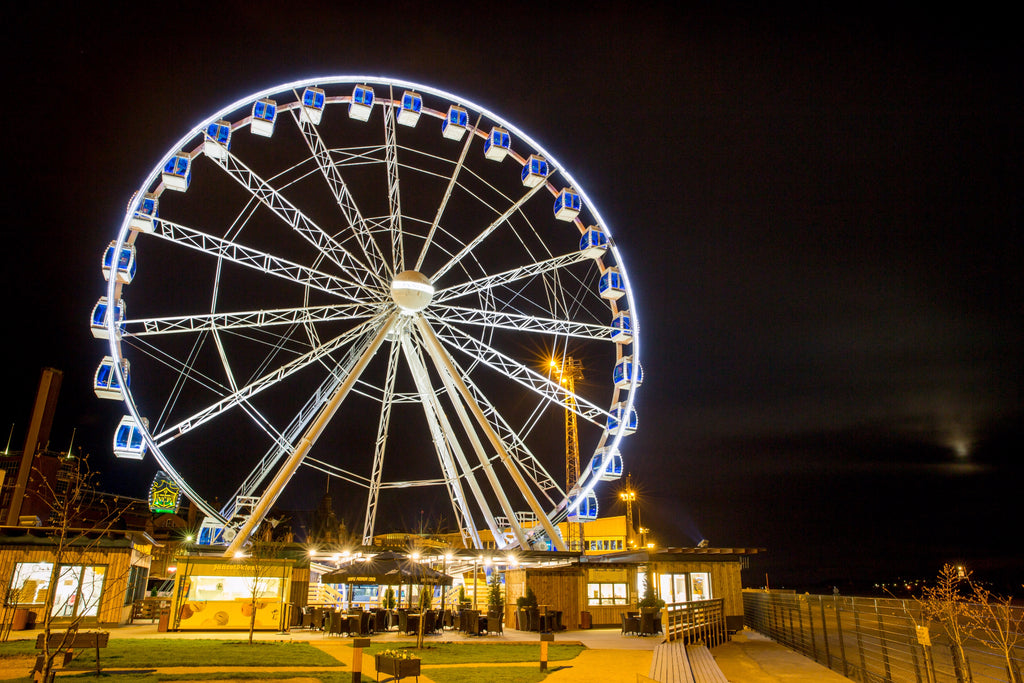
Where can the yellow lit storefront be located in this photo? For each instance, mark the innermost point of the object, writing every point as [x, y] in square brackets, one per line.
[212, 594]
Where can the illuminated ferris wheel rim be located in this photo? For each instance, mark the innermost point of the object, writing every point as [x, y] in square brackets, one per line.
[586, 483]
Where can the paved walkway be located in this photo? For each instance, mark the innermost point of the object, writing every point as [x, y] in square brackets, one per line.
[609, 658]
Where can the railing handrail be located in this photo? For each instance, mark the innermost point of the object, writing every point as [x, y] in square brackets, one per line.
[695, 620]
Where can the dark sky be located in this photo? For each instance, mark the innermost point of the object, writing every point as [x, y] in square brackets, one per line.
[820, 213]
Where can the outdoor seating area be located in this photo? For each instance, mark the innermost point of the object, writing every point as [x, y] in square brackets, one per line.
[359, 622]
[646, 623]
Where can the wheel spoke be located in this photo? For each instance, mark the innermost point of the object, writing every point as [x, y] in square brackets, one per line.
[509, 276]
[495, 224]
[520, 373]
[394, 194]
[258, 260]
[342, 196]
[354, 270]
[307, 440]
[521, 323]
[387, 400]
[444, 443]
[236, 320]
[447, 195]
[441, 358]
[245, 393]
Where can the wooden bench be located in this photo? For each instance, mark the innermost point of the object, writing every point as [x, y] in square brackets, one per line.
[68, 642]
[670, 664]
[703, 665]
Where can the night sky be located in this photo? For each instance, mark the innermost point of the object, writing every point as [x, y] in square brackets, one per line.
[820, 215]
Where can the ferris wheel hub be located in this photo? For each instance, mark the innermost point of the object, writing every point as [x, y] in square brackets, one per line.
[412, 291]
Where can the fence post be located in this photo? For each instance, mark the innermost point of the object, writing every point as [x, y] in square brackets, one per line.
[839, 629]
[824, 631]
[800, 620]
[860, 643]
[881, 638]
[810, 622]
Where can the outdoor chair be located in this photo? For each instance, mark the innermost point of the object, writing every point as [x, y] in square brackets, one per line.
[335, 624]
[630, 624]
[494, 624]
[380, 620]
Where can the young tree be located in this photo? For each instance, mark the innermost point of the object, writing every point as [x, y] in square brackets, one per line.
[258, 569]
[946, 602]
[79, 517]
[1000, 622]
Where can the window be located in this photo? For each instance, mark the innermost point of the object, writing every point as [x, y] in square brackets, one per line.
[606, 593]
[30, 582]
[76, 594]
[136, 584]
[685, 587]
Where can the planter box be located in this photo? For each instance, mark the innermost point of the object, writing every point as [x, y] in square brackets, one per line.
[399, 668]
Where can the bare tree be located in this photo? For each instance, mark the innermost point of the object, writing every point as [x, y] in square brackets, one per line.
[258, 568]
[947, 603]
[1000, 622]
[79, 517]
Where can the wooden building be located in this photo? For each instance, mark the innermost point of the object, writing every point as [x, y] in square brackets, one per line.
[99, 576]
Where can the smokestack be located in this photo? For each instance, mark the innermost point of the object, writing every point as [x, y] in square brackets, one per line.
[38, 434]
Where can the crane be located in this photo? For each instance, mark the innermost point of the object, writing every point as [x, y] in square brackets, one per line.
[569, 370]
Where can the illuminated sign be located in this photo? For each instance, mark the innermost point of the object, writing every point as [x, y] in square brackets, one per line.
[164, 494]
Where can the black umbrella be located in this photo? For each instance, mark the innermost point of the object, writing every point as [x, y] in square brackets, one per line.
[387, 568]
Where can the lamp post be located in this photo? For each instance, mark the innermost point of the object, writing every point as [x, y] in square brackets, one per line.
[629, 497]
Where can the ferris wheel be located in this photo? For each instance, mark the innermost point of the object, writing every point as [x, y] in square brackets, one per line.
[372, 279]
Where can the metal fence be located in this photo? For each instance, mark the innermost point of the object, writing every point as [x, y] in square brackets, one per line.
[871, 640]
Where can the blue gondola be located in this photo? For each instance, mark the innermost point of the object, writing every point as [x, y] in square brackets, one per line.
[622, 328]
[98, 321]
[497, 144]
[264, 115]
[104, 382]
[312, 105]
[618, 422]
[217, 140]
[409, 113]
[567, 205]
[594, 243]
[535, 171]
[178, 172]
[144, 212]
[125, 262]
[128, 440]
[583, 509]
[627, 374]
[455, 123]
[611, 285]
[362, 103]
[606, 464]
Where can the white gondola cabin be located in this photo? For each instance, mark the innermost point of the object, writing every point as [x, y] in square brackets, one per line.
[362, 103]
[409, 112]
[611, 285]
[144, 212]
[622, 328]
[606, 464]
[312, 105]
[497, 144]
[593, 242]
[217, 140]
[583, 508]
[619, 422]
[455, 123]
[627, 374]
[104, 382]
[535, 171]
[128, 440]
[178, 172]
[125, 262]
[264, 115]
[98, 321]
[567, 205]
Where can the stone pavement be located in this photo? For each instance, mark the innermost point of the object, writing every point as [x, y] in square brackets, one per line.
[609, 658]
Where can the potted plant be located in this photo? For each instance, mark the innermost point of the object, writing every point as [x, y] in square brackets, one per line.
[494, 603]
[389, 598]
[397, 663]
[650, 608]
[526, 610]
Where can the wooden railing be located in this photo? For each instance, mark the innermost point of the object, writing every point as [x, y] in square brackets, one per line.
[690, 622]
[324, 594]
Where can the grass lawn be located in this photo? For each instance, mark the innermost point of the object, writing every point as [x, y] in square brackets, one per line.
[470, 653]
[139, 653]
